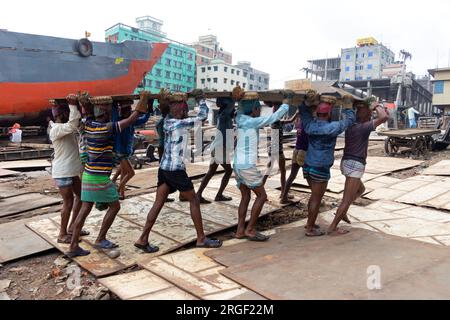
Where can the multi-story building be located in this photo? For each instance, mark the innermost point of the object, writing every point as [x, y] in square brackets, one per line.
[220, 76]
[323, 69]
[441, 92]
[208, 49]
[257, 80]
[176, 68]
[365, 61]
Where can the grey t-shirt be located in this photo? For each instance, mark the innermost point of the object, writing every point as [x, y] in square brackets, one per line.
[357, 141]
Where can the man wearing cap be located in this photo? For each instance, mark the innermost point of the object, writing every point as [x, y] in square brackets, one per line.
[124, 143]
[322, 135]
[248, 177]
[66, 163]
[221, 149]
[354, 160]
[172, 174]
[96, 184]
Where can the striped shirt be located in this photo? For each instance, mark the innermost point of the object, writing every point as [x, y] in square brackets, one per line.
[176, 137]
[99, 139]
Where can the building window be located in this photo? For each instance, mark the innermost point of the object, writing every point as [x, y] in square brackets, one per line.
[203, 69]
[266, 81]
[347, 69]
[225, 69]
[238, 72]
[190, 56]
[216, 68]
[252, 77]
[232, 82]
[347, 57]
[370, 54]
[244, 85]
[215, 80]
[158, 85]
[251, 87]
[168, 74]
[363, 55]
[209, 79]
[158, 72]
[237, 83]
[203, 81]
[169, 51]
[369, 66]
[439, 87]
[168, 62]
[245, 74]
[225, 80]
[209, 68]
[232, 71]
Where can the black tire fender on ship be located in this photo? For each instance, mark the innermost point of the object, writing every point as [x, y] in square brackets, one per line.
[84, 47]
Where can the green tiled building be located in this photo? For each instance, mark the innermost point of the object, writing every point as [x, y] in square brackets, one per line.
[176, 68]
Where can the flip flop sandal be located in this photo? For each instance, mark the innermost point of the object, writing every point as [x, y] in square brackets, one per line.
[204, 201]
[223, 199]
[66, 240]
[210, 243]
[170, 200]
[258, 237]
[106, 244]
[315, 233]
[147, 248]
[84, 233]
[78, 253]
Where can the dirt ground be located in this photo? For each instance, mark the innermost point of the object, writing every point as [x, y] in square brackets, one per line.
[45, 276]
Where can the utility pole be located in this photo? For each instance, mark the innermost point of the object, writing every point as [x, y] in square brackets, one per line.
[404, 55]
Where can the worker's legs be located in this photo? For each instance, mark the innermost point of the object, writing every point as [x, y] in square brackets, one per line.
[211, 172]
[196, 215]
[117, 174]
[282, 165]
[162, 193]
[108, 220]
[294, 172]
[225, 180]
[127, 174]
[354, 188]
[317, 191]
[242, 211]
[76, 189]
[261, 198]
[67, 195]
[86, 208]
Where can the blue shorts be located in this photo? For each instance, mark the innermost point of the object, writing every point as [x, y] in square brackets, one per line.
[316, 174]
[63, 182]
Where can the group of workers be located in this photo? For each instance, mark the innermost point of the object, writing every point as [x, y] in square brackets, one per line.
[92, 134]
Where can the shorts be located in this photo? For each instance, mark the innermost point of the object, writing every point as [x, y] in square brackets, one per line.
[252, 178]
[223, 158]
[352, 169]
[316, 174]
[176, 180]
[118, 157]
[64, 182]
[298, 157]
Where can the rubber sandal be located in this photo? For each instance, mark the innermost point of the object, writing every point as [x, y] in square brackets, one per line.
[170, 200]
[147, 248]
[78, 253]
[84, 233]
[66, 240]
[223, 199]
[315, 233]
[204, 201]
[210, 243]
[106, 244]
[258, 237]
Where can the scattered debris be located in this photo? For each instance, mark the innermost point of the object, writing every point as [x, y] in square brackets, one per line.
[61, 262]
[4, 284]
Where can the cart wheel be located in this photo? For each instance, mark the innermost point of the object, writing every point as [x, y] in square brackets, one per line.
[390, 147]
[420, 147]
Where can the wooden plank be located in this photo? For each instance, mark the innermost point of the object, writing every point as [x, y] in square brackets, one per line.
[17, 241]
[25, 202]
[441, 168]
[409, 132]
[25, 164]
[5, 173]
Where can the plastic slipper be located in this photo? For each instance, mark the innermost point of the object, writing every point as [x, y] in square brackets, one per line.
[258, 237]
[204, 201]
[67, 239]
[106, 244]
[84, 233]
[223, 199]
[315, 233]
[210, 243]
[78, 253]
[148, 248]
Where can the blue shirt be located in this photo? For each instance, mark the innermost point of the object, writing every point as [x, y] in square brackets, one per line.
[124, 142]
[322, 136]
[246, 152]
[176, 137]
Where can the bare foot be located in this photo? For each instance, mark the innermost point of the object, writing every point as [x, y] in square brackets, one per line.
[338, 232]
[346, 219]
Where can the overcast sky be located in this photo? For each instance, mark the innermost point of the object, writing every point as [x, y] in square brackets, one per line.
[276, 36]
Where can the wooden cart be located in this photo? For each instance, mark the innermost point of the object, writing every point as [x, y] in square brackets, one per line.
[420, 141]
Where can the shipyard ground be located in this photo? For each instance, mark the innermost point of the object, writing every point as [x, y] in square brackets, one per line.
[42, 276]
